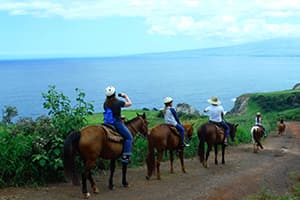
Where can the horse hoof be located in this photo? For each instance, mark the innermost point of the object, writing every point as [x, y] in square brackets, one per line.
[95, 190]
[148, 177]
[86, 195]
[126, 185]
[111, 187]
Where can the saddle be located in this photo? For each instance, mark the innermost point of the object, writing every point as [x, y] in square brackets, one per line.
[112, 134]
[219, 127]
[173, 129]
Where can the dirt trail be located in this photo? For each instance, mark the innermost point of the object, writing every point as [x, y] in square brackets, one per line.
[244, 173]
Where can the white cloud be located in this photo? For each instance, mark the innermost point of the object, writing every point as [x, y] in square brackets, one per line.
[235, 20]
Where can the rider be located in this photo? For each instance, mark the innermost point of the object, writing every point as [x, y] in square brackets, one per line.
[216, 116]
[113, 105]
[258, 122]
[171, 117]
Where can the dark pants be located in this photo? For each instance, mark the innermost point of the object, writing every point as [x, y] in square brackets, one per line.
[123, 130]
[180, 128]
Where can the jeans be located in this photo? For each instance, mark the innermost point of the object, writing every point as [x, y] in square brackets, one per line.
[226, 127]
[180, 128]
[123, 130]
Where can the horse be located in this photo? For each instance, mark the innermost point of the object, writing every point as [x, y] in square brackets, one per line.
[256, 134]
[213, 135]
[281, 127]
[163, 137]
[93, 142]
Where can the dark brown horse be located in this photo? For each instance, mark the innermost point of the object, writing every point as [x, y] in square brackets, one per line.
[281, 127]
[213, 135]
[91, 143]
[161, 138]
[256, 134]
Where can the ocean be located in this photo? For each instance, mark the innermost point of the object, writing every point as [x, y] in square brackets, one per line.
[146, 79]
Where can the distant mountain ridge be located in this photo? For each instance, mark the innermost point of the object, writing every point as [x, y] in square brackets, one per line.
[283, 47]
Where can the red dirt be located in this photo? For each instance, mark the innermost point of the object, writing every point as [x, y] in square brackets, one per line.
[244, 173]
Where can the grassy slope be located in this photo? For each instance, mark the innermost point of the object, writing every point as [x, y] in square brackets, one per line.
[272, 105]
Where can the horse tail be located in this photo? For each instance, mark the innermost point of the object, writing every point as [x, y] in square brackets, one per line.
[150, 160]
[201, 136]
[70, 150]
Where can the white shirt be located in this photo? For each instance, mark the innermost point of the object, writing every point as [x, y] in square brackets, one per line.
[215, 113]
[169, 117]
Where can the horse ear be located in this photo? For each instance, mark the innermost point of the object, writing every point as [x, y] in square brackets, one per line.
[236, 125]
[137, 114]
[144, 115]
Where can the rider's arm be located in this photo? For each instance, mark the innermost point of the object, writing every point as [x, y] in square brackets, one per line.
[127, 100]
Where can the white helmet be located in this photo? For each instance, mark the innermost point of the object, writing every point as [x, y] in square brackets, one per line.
[109, 91]
[168, 100]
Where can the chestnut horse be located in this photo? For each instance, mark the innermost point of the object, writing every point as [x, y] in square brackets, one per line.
[162, 137]
[213, 135]
[92, 142]
[281, 127]
[256, 134]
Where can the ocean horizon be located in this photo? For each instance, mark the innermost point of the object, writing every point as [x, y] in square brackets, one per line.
[146, 79]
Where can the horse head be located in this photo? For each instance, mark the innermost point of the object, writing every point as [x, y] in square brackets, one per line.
[143, 124]
[188, 127]
[233, 129]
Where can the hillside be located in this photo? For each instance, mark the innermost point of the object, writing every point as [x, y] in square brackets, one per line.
[285, 103]
[280, 47]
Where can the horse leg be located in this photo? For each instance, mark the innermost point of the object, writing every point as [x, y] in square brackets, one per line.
[124, 172]
[171, 162]
[85, 193]
[159, 158]
[181, 154]
[223, 154]
[216, 153]
[93, 184]
[209, 147]
[112, 171]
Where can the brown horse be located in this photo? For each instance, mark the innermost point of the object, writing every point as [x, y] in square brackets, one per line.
[256, 134]
[281, 127]
[91, 143]
[162, 137]
[213, 135]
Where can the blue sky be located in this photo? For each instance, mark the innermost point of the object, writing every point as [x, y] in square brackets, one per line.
[64, 28]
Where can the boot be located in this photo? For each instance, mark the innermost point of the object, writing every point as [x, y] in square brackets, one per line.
[225, 142]
[125, 159]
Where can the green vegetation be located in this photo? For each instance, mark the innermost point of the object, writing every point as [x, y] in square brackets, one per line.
[31, 150]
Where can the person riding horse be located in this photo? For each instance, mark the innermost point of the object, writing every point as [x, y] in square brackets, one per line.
[258, 122]
[216, 116]
[112, 115]
[171, 118]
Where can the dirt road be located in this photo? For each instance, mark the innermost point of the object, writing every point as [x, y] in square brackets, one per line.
[244, 173]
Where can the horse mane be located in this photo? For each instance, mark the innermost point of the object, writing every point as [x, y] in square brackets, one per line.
[131, 120]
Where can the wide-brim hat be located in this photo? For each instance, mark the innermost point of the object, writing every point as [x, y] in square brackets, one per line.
[214, 100]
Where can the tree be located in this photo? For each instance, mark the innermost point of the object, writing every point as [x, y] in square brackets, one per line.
[8, 113]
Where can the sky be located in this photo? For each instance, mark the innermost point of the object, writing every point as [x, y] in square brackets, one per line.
[83, 28]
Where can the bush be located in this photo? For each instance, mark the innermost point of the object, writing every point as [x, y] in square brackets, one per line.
[31, 150]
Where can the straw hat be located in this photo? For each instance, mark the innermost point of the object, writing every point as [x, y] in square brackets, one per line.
[214, 100]
[258, 113]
